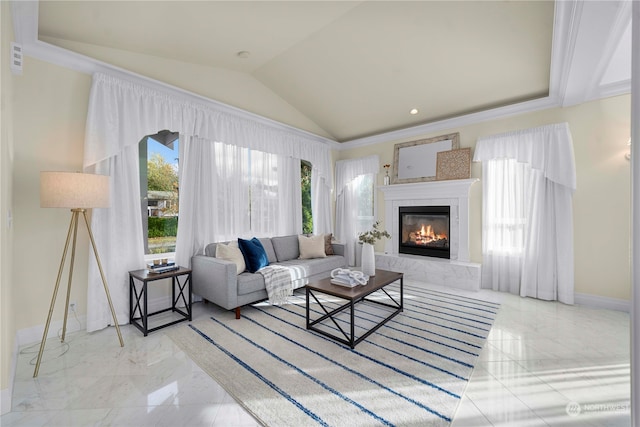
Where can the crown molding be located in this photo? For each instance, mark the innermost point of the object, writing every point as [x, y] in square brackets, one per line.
[25, 18]
[455, 122]
[564, 90]
[565, 28]
[611, 89]
[621, 21]
[25, 21]
[565, 25]
[591, 31]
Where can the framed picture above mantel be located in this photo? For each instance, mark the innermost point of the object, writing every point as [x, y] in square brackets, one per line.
[454, 164]
[416, 161]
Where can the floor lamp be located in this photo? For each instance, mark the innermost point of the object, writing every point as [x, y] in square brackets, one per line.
[78, 192]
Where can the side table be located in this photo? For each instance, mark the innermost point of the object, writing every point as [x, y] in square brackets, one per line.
[138, 305]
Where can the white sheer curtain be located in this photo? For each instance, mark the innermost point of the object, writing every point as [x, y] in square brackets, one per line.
[276, 198]
[347, 171]
[120, 113]
[214, 195]
[289, 211]
[527, 232]
[320, 195]
[118, 235]
[504, 220]
[219, 183]
[264, 193]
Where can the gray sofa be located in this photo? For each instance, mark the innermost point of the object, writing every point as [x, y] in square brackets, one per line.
[216, 280]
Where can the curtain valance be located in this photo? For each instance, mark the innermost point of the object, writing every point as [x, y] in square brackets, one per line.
[547, 148]
[348, 170]
[528, 178]
[122, 112]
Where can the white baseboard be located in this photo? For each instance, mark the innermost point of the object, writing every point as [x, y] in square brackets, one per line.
[34, 334]
[5, 400]
[77, 323]
[595, 301]
[7, 393]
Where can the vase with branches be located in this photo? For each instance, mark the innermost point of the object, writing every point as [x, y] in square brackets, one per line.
[368, 239]
[373, 235]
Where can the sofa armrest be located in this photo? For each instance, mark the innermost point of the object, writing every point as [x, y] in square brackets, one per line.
[215, 280]
[338, 248]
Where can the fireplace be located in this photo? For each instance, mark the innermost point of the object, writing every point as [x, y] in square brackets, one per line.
[424, 230]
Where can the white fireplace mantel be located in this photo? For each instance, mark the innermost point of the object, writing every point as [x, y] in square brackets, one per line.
[453, 193]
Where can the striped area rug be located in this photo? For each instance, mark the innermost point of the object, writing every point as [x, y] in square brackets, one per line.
[412, 371]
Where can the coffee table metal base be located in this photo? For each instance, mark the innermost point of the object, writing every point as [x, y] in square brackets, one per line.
[348, 337]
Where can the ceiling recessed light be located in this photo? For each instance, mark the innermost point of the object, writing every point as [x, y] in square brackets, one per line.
[413, 111]
[243, 54]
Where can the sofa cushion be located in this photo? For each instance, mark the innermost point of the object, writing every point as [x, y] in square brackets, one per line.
[210, 249]
[231, 252]
[328, 247]
[310, 267]
[249, 283]
[311, 247]
[254, 254]
[268, 248]
[286, 247]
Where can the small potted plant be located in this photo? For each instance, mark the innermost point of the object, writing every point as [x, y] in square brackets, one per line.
[368, 239]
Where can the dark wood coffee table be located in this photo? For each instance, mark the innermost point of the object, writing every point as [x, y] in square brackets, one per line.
[353, 296]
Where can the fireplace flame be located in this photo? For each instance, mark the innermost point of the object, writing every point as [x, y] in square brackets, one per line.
[426, 235]
[424, 230]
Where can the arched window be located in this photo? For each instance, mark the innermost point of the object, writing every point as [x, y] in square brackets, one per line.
[159, 191]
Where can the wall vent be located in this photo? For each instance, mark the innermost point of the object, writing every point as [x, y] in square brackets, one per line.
[16, 58]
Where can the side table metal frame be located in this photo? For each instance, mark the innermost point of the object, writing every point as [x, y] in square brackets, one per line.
[138, 306]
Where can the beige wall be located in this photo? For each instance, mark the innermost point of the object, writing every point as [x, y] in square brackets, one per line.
[50, 109]
[600, 130]
[7, 327]
[48, 118]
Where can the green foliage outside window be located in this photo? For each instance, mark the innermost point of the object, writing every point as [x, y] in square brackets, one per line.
[163, 226]
[161, 175]
[307, 219]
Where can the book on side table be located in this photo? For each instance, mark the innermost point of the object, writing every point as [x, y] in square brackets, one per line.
[162, 268]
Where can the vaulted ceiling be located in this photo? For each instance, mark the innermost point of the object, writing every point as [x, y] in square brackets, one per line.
[356, 69]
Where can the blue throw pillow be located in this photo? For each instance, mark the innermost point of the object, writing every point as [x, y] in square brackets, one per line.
[255, 257]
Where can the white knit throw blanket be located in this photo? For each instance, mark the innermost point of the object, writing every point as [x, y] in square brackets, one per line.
[277, 280]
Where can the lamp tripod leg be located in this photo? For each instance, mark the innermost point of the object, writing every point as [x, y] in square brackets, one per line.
[74, 220]
[73, 257]
[104, 280]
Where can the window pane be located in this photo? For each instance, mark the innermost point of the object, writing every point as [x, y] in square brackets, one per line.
[505, 217]
[364, 191]
[307, 217]
[264, 193]
[160, 191]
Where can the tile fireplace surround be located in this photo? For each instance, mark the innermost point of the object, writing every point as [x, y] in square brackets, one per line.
[456, 272]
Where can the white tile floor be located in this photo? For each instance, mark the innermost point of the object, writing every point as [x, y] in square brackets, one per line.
[544, 363]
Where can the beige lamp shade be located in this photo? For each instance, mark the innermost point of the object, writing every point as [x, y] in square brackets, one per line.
[73, 190]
